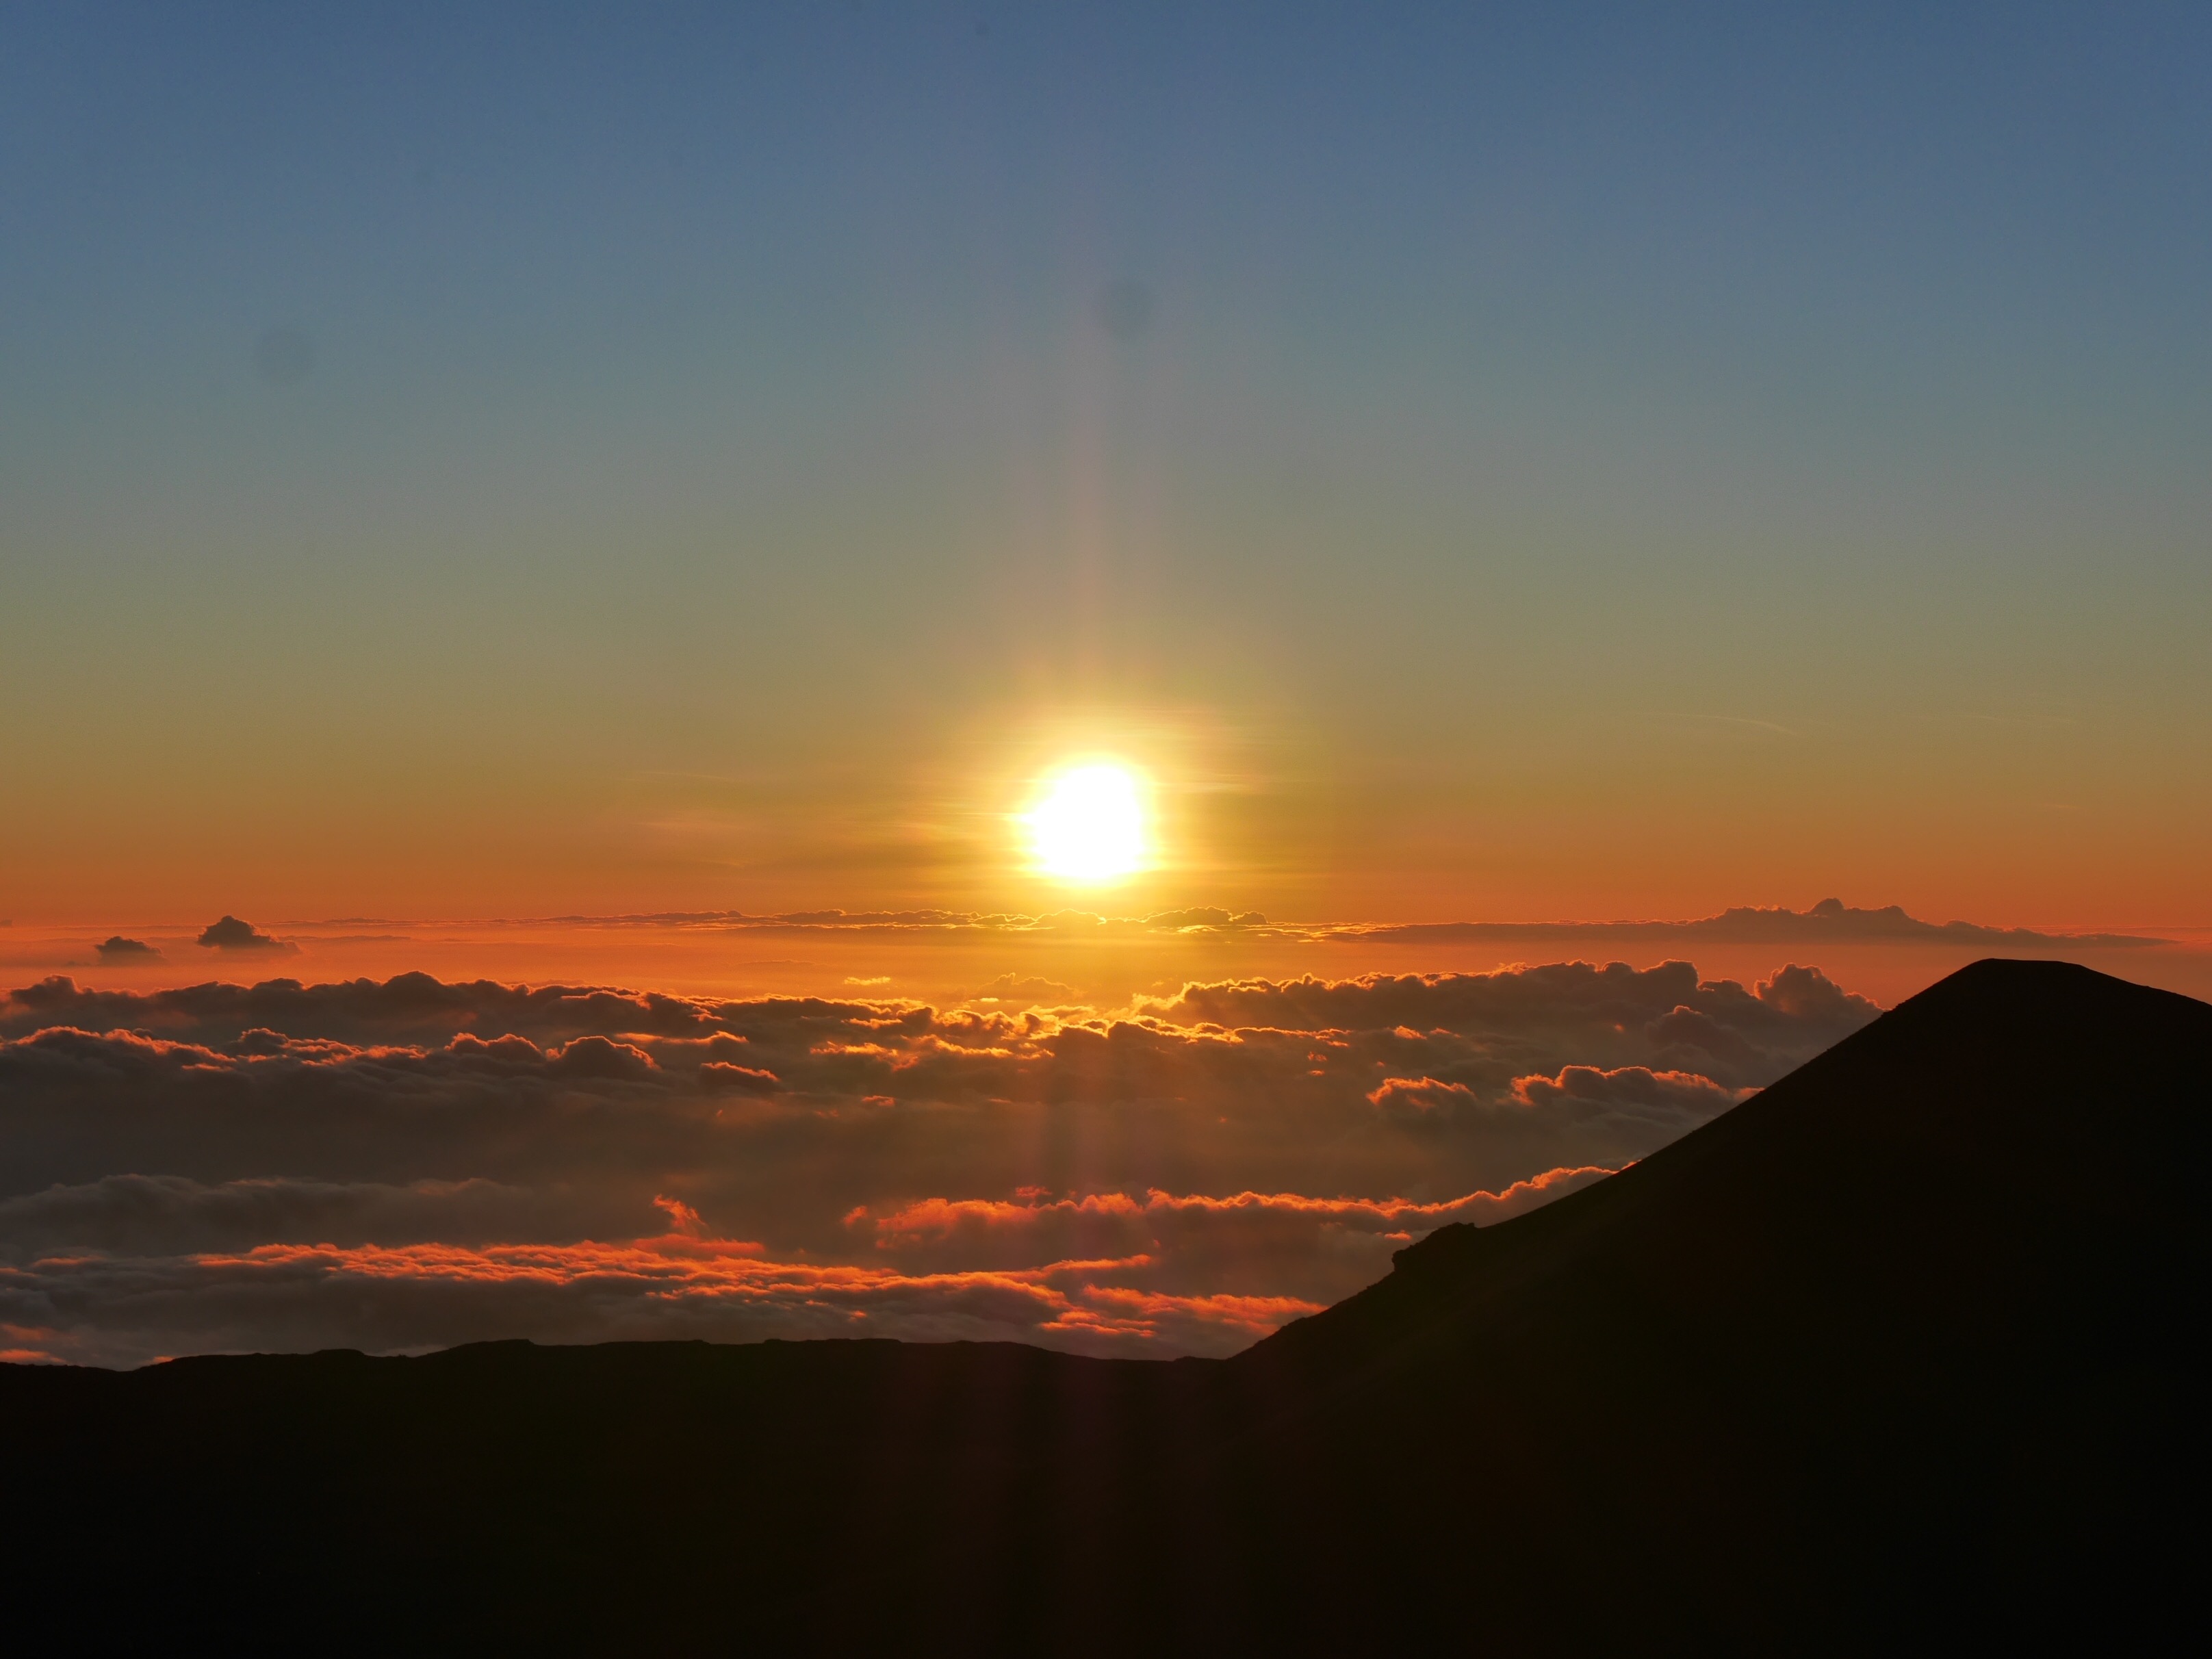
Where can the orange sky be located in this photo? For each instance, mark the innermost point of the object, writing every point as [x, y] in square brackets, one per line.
[1557, 818]
[1561, 481]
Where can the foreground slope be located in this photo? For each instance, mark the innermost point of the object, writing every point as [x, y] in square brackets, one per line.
[1911, 1329]
[1902, 1341]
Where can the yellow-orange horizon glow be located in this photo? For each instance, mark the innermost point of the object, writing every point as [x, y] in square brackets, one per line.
[1091, 825]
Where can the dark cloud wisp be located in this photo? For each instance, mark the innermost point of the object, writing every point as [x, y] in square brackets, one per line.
[231, 934]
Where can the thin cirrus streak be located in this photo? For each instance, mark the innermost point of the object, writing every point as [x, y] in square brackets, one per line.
[411, 1163]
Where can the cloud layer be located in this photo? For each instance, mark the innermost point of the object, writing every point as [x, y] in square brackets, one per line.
[411, 1163]
[1829, 922]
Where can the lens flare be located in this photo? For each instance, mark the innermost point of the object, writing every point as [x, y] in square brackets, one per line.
[1090, 824]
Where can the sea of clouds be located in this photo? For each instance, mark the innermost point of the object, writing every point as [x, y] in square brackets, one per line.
[411, 1163]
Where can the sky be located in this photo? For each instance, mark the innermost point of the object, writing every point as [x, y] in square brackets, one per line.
[1054, 673]
[1518, 463]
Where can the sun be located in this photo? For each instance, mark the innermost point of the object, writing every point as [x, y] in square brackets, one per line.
[1090, 824]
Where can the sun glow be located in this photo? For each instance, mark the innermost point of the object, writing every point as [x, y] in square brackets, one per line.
[1091, 825]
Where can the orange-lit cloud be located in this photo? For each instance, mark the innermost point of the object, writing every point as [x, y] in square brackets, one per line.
[681, 1284]
[1634, 1085]
[980, 1171]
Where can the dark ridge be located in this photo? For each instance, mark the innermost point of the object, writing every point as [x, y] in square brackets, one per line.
[1897, 1350]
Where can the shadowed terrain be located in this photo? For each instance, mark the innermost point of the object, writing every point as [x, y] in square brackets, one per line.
[1899, 1344]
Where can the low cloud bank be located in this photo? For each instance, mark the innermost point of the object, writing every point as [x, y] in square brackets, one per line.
[412, 1163]
[1829, 922]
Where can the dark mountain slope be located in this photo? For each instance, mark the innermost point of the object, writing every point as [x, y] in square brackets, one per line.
[1903, 1343]
[1910, 1329]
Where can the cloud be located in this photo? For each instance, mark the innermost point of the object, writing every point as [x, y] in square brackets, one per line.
[1249, 1243]
[1829, 922]
[140, 1215]
[683, 1219]
[407, 1008]
[119, 950]
[231, 934]
[1025, 991]
[1633, 1089]
[1271, 1142]
[1615, 1015]
[120, 1309]
[1402, 1095]
[744, 1079]
[1266, 1085]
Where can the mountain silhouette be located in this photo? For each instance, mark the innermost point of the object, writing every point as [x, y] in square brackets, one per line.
[1897, 1350]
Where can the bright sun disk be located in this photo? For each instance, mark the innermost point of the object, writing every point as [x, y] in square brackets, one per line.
[1089, 826]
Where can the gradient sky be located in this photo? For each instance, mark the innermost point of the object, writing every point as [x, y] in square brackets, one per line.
[1514, 461]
